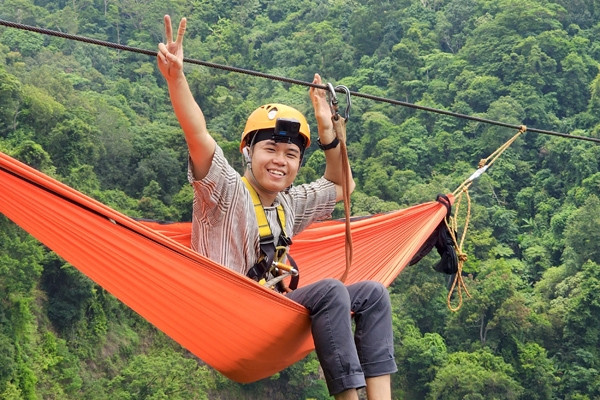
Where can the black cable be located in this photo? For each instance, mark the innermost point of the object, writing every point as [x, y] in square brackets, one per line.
[289, 80]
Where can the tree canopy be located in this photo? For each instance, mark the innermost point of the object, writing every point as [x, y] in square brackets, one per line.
[100, 120]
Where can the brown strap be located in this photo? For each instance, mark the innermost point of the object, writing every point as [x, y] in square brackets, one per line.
[339, 126]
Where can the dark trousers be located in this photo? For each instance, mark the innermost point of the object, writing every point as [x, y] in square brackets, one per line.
[348, 357]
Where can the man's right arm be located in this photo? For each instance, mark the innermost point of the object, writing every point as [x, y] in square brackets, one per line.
[200, 144]
[170, 63]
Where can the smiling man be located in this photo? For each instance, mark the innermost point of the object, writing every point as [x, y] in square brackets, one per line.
[246, 224]
[273, 143]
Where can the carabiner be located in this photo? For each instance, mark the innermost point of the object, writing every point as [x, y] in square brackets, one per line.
[348, 101]
[333, 101]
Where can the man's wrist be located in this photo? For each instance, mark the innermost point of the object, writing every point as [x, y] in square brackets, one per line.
[334, 143]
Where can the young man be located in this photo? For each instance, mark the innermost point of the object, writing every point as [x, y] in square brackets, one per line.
[225, 227]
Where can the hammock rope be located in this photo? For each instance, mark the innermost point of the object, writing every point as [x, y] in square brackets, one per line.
[458, 282]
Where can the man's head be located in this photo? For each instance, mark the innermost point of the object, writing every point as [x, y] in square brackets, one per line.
[273, 143]
[278, 122]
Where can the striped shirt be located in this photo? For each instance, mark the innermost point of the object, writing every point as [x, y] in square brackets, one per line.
[224, 224]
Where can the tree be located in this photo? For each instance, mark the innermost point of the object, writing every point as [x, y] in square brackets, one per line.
[363, 204]
[497, 313]
[580, 378]
[152, 207]
[69, 292]
[10, 99]
[581, 235]
[20, 268]
[594, 103]
[478, 375]
[576, 75]
[419, 357]
[71, 144]
[165, 169]
[367, 29]
[582, 328]
[41, 111]
[23, 42]
[32, 154]
[456, 22]
[481, 92]
[536, 372]
[161, 375]
[7, 361]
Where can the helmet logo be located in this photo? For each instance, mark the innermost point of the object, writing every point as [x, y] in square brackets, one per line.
[272, 113]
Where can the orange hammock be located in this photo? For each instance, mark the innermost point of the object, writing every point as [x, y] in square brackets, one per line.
[241, 329]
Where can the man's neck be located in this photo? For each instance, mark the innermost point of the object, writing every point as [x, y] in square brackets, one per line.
[267, 198]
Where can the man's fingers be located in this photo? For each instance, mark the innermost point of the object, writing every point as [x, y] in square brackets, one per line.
[161, 58]
[181, 31]
[168, 29]
[162, 52]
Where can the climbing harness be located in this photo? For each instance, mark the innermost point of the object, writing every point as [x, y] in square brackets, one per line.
[339, 127]
[270, 265]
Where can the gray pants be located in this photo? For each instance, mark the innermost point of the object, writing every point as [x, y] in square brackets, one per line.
[347, 357]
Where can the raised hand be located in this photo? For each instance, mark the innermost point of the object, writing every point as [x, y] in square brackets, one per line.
[170, 55]
[322, 110]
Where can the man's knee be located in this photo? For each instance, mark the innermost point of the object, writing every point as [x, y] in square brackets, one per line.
[334, 290]
[370, 294]
[326, 294]
[376, 289]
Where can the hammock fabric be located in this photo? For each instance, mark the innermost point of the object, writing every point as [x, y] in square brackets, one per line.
[241, 329]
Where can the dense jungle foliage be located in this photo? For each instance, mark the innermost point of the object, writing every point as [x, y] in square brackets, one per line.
[99, 120]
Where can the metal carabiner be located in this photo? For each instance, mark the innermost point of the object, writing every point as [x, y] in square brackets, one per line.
[333, 101]
[348, 101]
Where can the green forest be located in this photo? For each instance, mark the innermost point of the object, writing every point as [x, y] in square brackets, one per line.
[99, 120]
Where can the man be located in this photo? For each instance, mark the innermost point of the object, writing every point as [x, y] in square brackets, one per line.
[225, 223]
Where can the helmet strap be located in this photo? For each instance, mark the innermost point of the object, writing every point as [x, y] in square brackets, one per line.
[247, 157]
[254, 182]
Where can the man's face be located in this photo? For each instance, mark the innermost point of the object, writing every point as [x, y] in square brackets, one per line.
[275, 165]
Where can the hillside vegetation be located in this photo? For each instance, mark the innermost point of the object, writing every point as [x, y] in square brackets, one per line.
[99, 120]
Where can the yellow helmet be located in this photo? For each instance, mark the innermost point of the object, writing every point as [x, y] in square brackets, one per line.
[286, 122]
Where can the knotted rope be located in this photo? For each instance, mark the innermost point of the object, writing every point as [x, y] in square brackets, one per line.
[458, 284]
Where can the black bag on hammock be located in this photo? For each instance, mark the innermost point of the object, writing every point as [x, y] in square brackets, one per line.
[441, 239]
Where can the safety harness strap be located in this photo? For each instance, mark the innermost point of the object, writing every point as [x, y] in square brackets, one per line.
[270, 252]
[264, 229]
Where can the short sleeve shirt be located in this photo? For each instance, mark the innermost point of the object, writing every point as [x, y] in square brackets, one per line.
[224, 224]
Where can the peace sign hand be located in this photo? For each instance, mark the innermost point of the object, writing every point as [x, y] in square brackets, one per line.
[170, 55]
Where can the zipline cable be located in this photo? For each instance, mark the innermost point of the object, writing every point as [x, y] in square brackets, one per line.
[289, 80]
